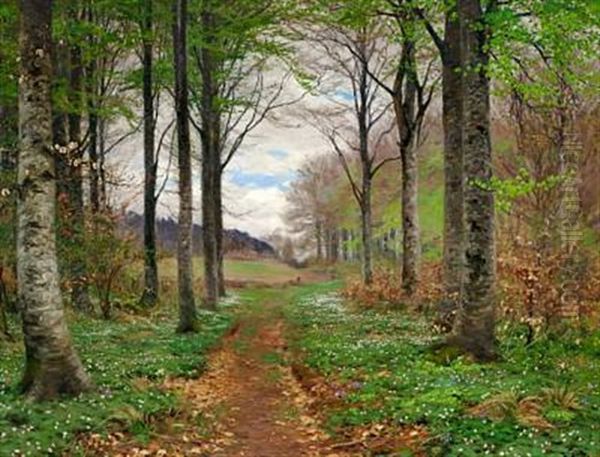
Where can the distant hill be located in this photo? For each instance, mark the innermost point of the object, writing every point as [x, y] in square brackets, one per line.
[236, 241]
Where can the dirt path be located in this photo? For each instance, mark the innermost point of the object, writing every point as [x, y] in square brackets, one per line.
[248, 403]
[265, 407]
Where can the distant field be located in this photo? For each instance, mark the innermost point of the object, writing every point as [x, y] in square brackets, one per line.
[266, 271]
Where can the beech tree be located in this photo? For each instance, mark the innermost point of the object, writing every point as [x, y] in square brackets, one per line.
[52, 366]
[187, 305]
[475, 326]
[150, 294]
[412, 91]
[356, 56]
[230, 99]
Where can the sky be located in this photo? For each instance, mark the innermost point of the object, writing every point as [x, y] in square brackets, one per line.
[255, 182]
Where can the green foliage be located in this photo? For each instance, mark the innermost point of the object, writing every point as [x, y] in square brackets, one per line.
[547, 393]
[541, 47]
[8, 53]
[523, 184]
[119, 356]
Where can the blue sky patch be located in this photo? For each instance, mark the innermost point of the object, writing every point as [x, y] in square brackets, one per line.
[344, 94]
[260, 180]
[278, 153]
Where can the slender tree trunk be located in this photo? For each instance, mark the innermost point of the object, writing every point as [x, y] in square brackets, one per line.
[405, 99]
[367, 236]
[319, 237]
[411, 245]
[78, 269]
[345, 245]
[92, 102]
[150, 295]
[327, 236]
[335, 245]
[60, 135]
[210, 157]
[219, 227]
[454, 225]
[4, 304]
[366, 173]
[476, 319]
[187, 305]
[101, 159]
[52, 366]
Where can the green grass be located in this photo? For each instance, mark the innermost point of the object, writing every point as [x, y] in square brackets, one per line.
[258, 271]
[116, 355]
[384, 360]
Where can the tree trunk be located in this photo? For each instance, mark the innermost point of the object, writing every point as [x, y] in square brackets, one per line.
[405, 89]
[150, 295]
[60, 135]
[367, 236]
[187, 305]
[210, 157]
[101, 158]
[219, 227]
[319, 238]
[4, 305]
[52, 366]
[411, 245]
[78, 269]
[476, 318]
[335, 245]
[454, 225]
[92, 105]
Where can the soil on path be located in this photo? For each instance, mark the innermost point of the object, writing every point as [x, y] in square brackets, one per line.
[247, 403]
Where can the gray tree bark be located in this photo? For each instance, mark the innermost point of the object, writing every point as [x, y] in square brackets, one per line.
[52, 366]
[150, 294]
[476, 319]
[219, 227]
[187, 304]
[366, 175]
[454, 225]
[210, 158]
[319, 239]
[78, 268]
[408, 122]
[92, 107]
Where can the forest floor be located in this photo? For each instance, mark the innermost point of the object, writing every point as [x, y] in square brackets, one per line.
[298, 370]
[247, 403]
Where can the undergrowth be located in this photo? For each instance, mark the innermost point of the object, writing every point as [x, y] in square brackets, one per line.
[128, 362]
[541, 399]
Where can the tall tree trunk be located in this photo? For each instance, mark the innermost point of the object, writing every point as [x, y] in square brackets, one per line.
[78, 268]
[150, 295]
[476, 319]
[187, 304]
[335, 245]
[454, 225]
[52, 366]
[60, 135]
[210, 159]
[367, 236]
[405, 90]
[219, 227]
[345, 256]
[366, 174]
[92, 106]
[319, 237]
[411, 245]
[101, 159]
